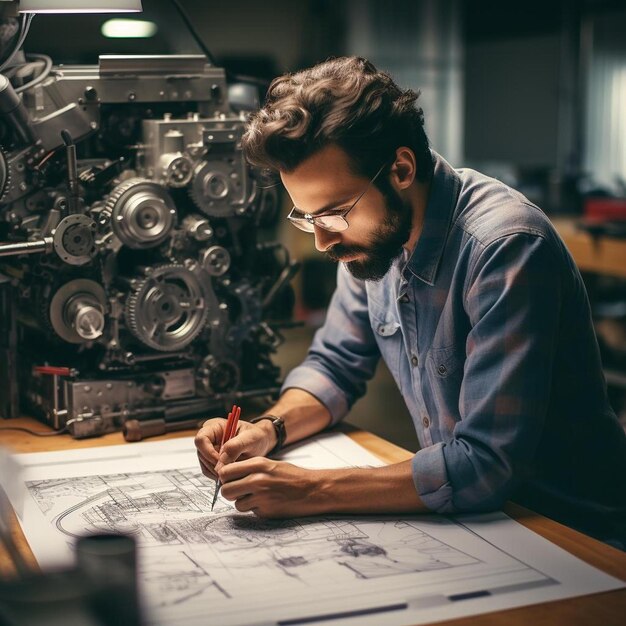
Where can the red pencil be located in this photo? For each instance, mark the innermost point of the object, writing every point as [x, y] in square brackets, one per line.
[229, 432]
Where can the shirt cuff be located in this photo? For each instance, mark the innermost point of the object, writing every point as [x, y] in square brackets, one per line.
[321, 387]
[431, 479]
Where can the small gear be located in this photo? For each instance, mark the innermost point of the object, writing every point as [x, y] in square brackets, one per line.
[77, 311]
[216, 188]
[216, 260]
[218, 376]
[167, 309]
[179, 172]
[142, 213]
[74, 239]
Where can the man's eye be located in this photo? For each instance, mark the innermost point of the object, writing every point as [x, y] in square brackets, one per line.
[336, 211]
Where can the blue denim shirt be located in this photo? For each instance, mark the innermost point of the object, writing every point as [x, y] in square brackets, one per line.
[486, 329]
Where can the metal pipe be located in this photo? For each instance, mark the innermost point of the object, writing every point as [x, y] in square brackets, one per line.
[72, 171]
[27, 247]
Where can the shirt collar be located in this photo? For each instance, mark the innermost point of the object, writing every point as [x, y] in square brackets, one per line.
[445, 186]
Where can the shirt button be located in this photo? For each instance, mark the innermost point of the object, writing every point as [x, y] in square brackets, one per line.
[425, 421]
[414, 361]
[442, 369]
[404, 298]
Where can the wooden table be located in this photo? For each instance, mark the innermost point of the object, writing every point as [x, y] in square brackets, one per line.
[600, 255]
[604, 609]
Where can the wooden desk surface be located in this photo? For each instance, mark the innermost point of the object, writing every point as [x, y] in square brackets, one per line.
[605, 609]
[602, 255]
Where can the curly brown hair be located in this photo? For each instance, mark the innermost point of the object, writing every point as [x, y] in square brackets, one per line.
[346, 102]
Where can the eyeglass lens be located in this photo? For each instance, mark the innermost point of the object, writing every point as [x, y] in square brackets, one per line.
[333, 223]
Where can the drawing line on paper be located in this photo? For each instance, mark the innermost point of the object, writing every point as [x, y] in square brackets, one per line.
[204, 552]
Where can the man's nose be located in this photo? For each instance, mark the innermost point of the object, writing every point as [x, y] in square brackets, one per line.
[325, 238]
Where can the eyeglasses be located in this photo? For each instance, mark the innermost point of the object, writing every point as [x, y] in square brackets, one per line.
[333, 220]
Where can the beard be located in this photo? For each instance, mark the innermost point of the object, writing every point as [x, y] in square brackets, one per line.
[386, 242]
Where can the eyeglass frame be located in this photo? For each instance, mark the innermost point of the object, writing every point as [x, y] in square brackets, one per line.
[311, 219]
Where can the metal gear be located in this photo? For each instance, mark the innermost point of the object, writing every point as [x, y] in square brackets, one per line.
[77, 311]
[215, 260]
[5, 173]
[216, 188]
[168, 309]
[74, 239]
[142, 213]
[179, 171]
[217, 376]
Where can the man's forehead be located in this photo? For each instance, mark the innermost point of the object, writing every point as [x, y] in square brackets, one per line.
[325, 176]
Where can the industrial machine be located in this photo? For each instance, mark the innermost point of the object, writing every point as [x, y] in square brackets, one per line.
[138, 274]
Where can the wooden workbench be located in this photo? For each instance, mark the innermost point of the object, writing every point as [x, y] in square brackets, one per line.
[605, 609]
[598, 254]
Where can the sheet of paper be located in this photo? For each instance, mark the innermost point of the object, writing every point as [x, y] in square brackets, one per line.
[228, 568]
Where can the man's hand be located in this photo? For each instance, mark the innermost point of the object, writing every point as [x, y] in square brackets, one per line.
[251, 440]
[271, 488]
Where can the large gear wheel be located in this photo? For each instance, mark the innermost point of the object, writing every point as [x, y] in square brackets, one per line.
[142, 213]
[168, 308]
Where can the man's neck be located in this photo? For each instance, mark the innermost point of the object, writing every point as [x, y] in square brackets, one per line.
[418, 197]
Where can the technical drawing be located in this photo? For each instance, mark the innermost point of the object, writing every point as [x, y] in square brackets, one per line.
[224, 567]
[189, 550]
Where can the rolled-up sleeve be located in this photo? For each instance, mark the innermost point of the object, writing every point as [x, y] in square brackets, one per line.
[512, 301]
[344, 353]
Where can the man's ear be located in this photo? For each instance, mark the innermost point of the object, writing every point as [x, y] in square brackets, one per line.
[404, 168]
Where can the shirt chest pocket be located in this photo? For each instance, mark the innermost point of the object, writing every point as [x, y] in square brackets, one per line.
[444, 368]
[388, 335]
[446, 363]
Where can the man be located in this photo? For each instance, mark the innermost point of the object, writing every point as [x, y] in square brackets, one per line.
[464, 288]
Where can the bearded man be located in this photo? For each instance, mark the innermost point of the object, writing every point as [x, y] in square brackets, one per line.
[466, 291]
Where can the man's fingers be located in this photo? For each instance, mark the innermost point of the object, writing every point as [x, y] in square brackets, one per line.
[207, 468]
[237, 489]
[240, 445]
[232, 449]
[209, 437]
[245, 504]
[240, 469]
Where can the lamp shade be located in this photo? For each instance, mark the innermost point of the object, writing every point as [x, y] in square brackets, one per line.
[79, 6]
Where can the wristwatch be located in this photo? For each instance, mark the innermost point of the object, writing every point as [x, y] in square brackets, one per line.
[279, 428]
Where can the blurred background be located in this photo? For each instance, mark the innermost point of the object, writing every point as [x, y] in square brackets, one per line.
[532, 93]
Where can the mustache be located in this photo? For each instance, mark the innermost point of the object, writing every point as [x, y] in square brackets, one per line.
[339, 250]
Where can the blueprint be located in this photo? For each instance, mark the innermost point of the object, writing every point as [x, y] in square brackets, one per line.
[199, 566]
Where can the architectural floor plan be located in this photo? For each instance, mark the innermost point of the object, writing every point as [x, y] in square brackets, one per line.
[195, 563]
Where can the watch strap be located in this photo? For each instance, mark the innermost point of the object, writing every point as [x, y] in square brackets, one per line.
[279, 428]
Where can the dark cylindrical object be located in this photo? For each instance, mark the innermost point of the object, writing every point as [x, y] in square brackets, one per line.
[136, 430]
[26, 247]
[12, 108]
[72, 171]
[110, 561]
